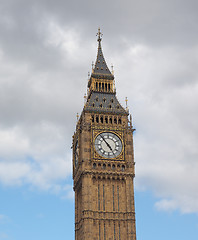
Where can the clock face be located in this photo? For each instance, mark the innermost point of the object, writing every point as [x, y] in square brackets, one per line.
[76, 153]
[108, 145]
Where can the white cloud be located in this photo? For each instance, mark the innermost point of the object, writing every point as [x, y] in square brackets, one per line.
[44, 52]
[65, 39]
[163, 92]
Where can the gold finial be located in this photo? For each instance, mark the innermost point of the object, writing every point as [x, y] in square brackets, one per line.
[85, 98]
[130, 121]
[112, 71]
[77, 116]
[92, 65]
[99, 34]
[126, 100]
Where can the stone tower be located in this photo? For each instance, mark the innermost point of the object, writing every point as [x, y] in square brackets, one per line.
[103, 162]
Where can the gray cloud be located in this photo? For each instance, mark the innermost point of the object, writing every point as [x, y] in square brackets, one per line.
[46, 50]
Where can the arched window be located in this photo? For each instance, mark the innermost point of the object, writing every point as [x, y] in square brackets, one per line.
[92, 118]
[105, 86]
[106, 119]
[97, 119]
[119, 121]
[115, 120]
[109, 87]
[110, 120]
[101, 119]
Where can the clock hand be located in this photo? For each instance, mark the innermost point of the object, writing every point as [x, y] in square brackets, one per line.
[108, 145]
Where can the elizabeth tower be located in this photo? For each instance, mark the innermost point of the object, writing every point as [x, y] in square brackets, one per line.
[103, 162]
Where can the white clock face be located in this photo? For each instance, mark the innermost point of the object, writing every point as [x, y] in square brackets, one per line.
[76, 154]
[108, 145]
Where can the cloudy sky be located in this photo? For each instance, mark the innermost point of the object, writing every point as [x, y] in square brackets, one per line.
[46, 51]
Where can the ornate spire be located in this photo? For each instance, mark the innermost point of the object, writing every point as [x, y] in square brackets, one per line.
[101, 67]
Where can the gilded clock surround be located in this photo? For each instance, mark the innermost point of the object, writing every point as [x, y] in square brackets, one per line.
[104, 191]
[96, 132]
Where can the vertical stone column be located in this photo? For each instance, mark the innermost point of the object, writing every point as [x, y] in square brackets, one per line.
[133, 237]
[129, 208]
[76, 216]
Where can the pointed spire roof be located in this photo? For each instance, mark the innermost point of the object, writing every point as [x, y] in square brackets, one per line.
[101, 69]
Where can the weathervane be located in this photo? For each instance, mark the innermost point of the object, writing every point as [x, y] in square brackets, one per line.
[99, 34]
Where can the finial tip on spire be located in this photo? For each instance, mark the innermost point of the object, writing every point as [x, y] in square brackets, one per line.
[99, 34]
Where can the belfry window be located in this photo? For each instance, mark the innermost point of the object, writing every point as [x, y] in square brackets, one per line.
[106, 119]
[97, 119]
[115, 120]
[119, 121]
[105, 86]
[92, 118]
[110, 120]
[96, 86]
[101, 119]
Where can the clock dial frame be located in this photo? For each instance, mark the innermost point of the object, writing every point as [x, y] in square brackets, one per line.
[108, 145]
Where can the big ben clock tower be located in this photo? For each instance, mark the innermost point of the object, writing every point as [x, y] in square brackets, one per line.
[103, 162]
